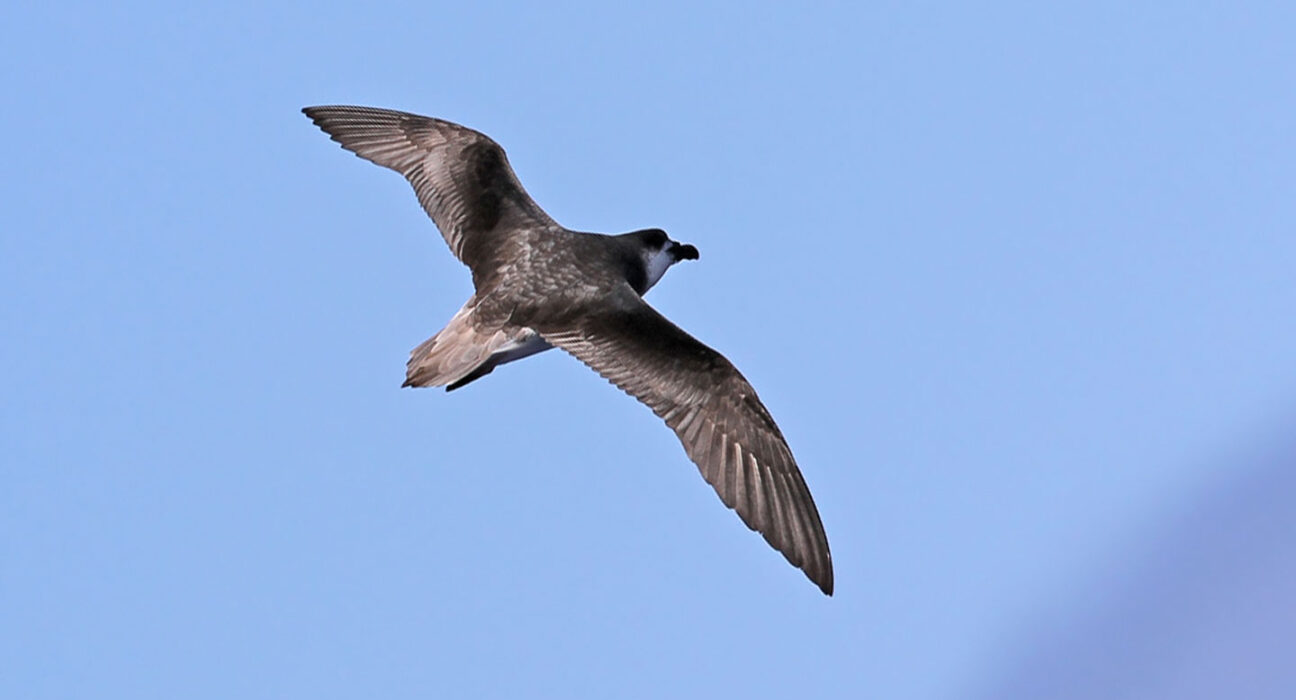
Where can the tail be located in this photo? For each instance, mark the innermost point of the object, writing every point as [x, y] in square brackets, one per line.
[455, 352]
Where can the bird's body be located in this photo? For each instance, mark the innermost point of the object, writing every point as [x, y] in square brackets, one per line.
[536, 277]
[539, 285]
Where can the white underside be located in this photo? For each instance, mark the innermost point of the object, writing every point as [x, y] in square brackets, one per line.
[526, 346]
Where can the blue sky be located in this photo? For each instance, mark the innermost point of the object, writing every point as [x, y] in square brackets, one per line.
[1015, 281]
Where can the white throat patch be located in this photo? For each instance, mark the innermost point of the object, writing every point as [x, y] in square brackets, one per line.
[657, 264]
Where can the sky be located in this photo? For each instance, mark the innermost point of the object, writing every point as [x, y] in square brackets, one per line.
[1200, 609]
[1016, 282]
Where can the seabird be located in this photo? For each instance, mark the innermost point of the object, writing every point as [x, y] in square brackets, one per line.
[539, 285]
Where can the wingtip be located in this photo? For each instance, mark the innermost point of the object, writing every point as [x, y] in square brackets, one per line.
[313, 112]
[819, 570]
[826, 587]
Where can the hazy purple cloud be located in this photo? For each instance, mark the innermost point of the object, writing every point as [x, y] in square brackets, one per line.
[1208, 609]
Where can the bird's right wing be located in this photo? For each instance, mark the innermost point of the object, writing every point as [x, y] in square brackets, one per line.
[724, 427]
[462, 177]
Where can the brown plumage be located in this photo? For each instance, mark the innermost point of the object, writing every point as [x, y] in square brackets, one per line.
[539, 285]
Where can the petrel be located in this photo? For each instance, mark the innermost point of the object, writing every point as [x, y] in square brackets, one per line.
[540, 285]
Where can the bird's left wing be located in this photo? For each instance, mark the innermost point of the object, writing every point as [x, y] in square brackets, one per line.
[724, 427]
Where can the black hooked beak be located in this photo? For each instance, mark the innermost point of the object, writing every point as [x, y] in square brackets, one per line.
[684, 251]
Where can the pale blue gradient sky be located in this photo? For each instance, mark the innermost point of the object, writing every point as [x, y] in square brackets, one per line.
[1015, 281]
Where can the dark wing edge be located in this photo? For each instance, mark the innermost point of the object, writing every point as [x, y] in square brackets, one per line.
[722, 424]
[462, 178]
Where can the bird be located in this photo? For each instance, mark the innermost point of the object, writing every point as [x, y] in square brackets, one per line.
[538, 285]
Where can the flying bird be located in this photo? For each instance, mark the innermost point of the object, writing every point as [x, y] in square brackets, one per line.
[539, 285]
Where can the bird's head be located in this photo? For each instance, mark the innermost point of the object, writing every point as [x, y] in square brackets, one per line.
[658, 252]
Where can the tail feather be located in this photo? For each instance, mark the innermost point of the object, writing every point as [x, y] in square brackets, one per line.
[454, 352]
